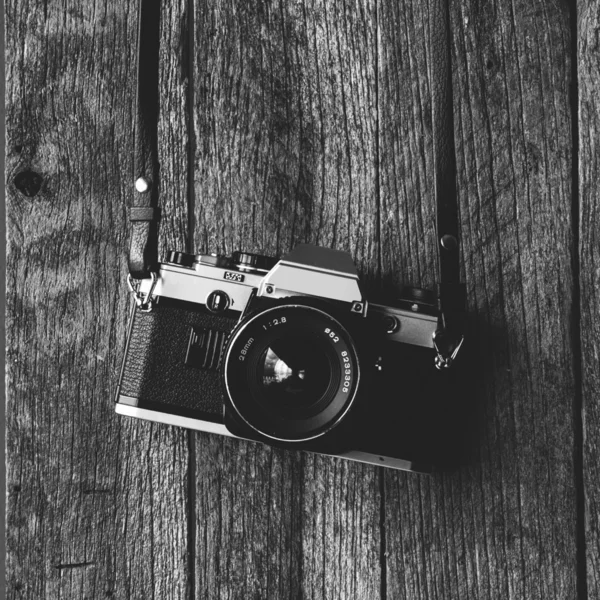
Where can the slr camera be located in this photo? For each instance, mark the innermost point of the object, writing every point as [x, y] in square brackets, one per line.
[290, 353]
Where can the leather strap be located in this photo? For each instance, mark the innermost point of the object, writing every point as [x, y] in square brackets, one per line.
[144, 213]
[451, 292]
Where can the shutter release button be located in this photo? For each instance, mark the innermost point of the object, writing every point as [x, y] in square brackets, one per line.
[217, 301]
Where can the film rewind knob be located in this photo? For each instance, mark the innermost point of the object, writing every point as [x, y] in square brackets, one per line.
[181, 258]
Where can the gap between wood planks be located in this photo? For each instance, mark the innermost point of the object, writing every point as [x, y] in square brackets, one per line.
[578, 435]
[189, 52]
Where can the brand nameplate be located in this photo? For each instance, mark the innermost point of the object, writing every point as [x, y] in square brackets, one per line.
[238, 277]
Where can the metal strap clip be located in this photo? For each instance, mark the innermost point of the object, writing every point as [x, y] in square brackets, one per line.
[143, 301]
[446, 353]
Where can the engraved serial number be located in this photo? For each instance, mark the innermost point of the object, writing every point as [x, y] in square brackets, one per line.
[237, 277]
[347, 366]
[347, 372]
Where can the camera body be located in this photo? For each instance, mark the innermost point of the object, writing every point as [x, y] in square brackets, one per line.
[289, 352]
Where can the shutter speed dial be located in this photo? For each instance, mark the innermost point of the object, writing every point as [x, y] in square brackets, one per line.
[253, 262]
[213, 260]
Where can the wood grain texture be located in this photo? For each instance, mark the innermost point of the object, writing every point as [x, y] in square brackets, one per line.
[97, 504]
[311, 123]
[506, 527]
[405, 147]
[589, 256]
[285, 127]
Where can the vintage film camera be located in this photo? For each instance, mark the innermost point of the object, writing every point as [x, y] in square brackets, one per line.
[289, 352]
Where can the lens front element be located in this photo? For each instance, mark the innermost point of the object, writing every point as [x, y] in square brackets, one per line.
[291, 372]
[295, 372]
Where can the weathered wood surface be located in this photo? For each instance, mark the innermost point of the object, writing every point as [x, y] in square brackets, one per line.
[285, 145]
[97, 506]
[589, 268]
[310, 122]
[507, 526]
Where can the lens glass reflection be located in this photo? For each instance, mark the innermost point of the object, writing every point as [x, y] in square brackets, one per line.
[295, 371]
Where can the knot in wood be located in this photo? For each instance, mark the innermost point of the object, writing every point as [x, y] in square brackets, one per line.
[28, 183]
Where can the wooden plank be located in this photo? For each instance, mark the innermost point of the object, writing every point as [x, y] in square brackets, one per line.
[97, 504]
[285, 137]
[506, 526]
[405, 147]
[589, 259]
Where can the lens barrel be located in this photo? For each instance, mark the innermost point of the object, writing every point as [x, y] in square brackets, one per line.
[291, 372]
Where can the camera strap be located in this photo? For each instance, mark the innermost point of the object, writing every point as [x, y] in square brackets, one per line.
[451, 292]
[144, 212]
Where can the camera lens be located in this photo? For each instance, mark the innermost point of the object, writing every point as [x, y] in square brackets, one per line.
[291, 372]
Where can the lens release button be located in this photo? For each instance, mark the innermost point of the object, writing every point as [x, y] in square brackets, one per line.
[217, 301]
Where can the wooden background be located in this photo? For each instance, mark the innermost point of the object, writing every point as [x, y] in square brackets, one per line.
[284, 122]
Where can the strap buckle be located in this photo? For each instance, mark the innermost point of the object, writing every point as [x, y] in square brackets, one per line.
[446, 349]
[143, 301]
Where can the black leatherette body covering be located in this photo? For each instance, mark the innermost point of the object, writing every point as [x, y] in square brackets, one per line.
[154, 370]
